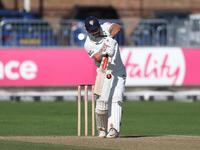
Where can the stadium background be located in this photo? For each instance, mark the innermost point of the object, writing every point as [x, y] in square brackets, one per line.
[52, 9]
[127, 10]
[150, 121]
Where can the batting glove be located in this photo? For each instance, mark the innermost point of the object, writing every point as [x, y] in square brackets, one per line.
[103, 50]
[110, 42]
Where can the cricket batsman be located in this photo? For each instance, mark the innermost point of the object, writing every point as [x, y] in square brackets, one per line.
[99, 43]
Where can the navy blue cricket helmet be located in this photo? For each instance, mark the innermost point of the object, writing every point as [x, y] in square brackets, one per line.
[91, 23]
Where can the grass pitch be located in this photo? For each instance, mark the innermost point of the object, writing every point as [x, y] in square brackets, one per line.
[60, 119]
[16, 145]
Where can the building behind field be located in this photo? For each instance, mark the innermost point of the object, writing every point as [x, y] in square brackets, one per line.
[58, 9]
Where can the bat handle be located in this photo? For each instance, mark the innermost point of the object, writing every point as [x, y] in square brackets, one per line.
[103, 35]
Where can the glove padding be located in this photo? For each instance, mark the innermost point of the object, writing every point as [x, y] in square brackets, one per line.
[103, 50]
[110, 46]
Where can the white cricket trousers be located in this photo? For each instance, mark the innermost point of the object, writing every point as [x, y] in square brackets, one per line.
[112, 94]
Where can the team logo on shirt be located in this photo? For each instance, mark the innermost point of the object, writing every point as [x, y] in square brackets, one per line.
[91, 22]
[90, 52]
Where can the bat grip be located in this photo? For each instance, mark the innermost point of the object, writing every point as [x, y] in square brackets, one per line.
[103, 35]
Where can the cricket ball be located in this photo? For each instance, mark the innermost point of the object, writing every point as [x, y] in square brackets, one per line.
[108, 76]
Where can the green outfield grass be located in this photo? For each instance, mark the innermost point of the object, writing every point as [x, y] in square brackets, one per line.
[60, 118]
[15, 145]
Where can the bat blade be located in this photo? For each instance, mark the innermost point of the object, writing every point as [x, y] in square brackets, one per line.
[101, 76]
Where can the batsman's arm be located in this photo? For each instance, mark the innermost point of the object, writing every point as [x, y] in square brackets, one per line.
[115, 29]
[98, 57]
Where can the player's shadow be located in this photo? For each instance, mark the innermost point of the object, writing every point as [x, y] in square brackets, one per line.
[133, 136]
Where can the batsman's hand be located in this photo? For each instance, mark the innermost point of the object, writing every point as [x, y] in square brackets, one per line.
[103, 50]
[110, 43]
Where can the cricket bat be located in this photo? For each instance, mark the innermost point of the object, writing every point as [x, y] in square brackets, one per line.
[101, 76]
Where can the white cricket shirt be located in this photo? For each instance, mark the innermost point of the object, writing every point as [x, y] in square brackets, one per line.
[93, 45]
